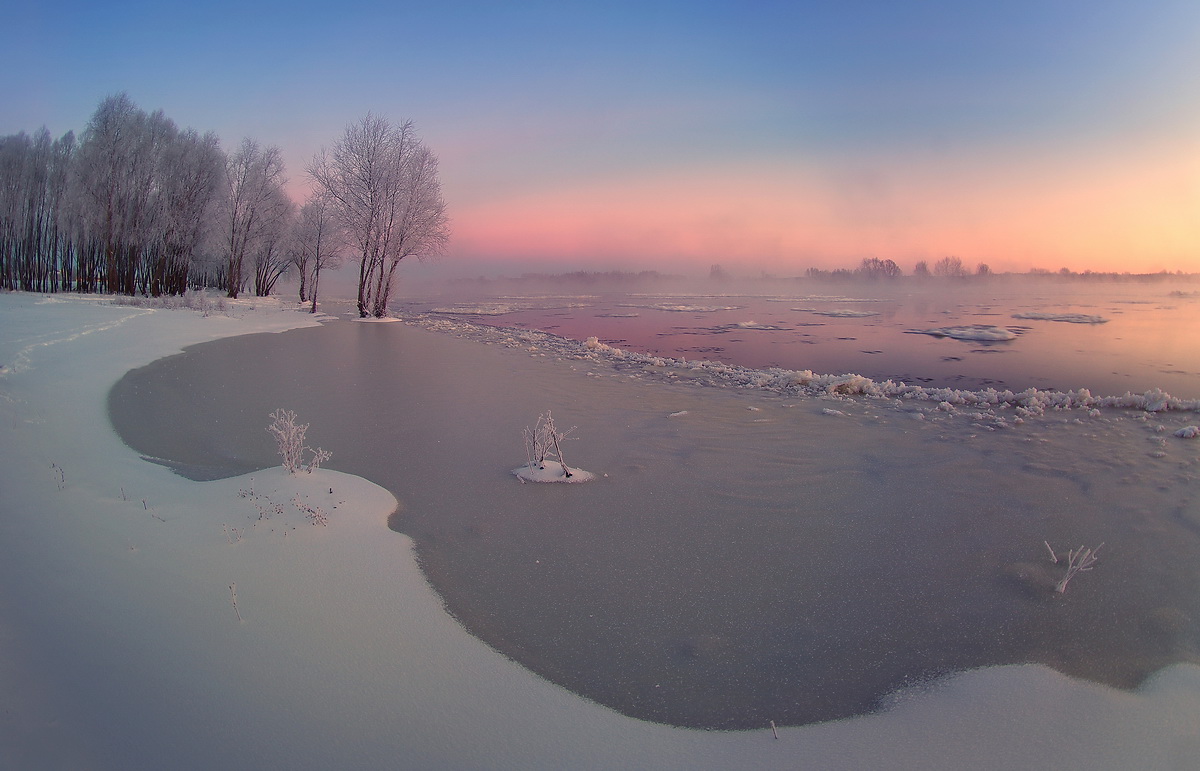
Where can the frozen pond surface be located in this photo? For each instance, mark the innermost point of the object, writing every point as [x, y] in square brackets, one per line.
[1108, 337]
[746, 556]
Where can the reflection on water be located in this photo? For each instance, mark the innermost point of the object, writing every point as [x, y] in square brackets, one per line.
[796, 562]
[1141, 336]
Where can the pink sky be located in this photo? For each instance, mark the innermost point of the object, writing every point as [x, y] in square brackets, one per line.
[1139, 212]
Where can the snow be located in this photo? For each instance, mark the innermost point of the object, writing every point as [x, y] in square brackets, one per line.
[1188, 432]
[1070, 318]
[122, 646]
[552, 472]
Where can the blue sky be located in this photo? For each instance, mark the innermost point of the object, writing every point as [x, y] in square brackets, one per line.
[758, 134]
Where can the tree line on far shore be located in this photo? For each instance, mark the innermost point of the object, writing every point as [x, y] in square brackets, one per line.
[136, 205]
[874, 268]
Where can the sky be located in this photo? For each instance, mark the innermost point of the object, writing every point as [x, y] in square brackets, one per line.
[672, 136]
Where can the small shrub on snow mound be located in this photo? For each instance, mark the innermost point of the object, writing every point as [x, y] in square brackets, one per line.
[289, 438]
[543, 449]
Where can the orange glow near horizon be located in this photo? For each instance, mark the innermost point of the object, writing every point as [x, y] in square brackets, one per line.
[1132, 214]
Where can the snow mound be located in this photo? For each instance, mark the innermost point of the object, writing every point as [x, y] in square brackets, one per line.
[1188, 432]
[978, 332]
[553, 472]
[594, 344]
[1070, 318]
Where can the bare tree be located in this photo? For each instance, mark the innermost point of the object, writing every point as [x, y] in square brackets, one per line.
[949, 266]
[875, 268]
[316, 245]
[384, 183]
[254, 179]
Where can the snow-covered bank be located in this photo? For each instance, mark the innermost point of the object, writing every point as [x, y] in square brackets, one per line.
[122, 647]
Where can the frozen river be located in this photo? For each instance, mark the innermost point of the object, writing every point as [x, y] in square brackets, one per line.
[745, 556]
[1006, 333]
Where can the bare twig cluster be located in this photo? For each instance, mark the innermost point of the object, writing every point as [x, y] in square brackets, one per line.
[233, 599]
[1078, 561]
[289, 437]
[316, 515]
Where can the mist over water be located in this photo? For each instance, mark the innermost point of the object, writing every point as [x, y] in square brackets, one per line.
[1109, 337]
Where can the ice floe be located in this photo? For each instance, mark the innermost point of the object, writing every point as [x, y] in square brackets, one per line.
[750, 325]
[1070, 318]
[842, 313]
[685, 308]
[984, 333]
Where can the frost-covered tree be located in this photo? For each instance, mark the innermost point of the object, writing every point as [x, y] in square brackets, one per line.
[317, 243]
[35, 248]
[142, 195]
[114, 180]
[253, 206]
[189, 185]
[270, 254]
[384, 183]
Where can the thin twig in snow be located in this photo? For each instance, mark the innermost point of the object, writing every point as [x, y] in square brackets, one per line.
[233, 597]
[1078, 561]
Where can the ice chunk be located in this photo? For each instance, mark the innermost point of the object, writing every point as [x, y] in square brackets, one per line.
[845, 313]
[1070, 318]
[979, 332]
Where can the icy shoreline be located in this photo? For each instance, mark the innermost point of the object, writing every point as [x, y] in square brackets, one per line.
[793, 383]
[123, 649]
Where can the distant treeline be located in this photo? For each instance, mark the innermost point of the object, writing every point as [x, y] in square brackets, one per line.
[136, 205]
[873, 269]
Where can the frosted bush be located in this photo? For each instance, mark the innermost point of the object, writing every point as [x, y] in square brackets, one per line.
[289, 439]
[543, 445]
[544, 441]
